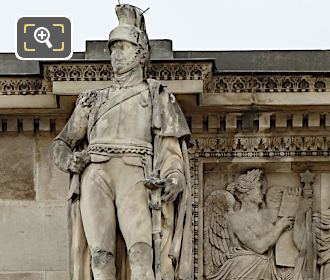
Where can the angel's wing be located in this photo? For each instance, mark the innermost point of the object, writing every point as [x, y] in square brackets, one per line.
[217, 242]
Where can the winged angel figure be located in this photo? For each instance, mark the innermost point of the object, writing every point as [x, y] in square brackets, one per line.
[239, 243]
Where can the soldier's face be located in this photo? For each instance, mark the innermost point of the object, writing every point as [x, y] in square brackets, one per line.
[124, 56]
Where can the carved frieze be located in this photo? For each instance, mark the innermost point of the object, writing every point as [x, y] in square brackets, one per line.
[170, 70]
[262, 146]
[180, 70]
[266, 83]
[78, 72]
[16, 86]
[103, 71]
[213, 82]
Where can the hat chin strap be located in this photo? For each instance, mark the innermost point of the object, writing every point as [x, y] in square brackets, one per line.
[128, 68]
[133, 76]
[135, 62]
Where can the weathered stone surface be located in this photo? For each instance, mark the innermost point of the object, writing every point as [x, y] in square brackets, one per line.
[74, 88]
[217, 175]
[28, 102]
[33, 235]
[261, 99]
[264, 60]
[10, 64]
[17, 167]
[160, 49]
[325, 191]
[22, 276]
[283, 179]
[51, 183]
[57, 275]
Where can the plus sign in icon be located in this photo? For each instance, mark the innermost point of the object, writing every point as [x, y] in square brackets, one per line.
[43, 38]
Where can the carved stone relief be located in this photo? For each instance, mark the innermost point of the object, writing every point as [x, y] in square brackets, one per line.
[264, 223]
[217, 162]
[264, 83]
[14, 86]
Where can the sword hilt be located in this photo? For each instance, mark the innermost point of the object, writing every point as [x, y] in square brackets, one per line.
[154, 183]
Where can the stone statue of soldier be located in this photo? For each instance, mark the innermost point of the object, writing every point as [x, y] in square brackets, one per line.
[116, 138]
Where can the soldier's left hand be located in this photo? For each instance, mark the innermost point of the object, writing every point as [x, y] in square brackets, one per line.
[173, 187]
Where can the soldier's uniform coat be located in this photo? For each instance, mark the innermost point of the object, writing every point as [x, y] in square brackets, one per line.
[118, 128]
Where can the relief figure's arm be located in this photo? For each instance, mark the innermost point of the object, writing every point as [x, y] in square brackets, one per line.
[61, 150]
[259, 244]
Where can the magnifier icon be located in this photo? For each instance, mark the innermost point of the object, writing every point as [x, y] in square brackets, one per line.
[41, 35]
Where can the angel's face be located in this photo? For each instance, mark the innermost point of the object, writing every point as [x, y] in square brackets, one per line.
[254, 195]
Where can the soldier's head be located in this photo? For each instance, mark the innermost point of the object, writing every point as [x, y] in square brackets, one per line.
[128, 43]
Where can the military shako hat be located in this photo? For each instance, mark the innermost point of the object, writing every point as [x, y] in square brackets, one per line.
[131, 27]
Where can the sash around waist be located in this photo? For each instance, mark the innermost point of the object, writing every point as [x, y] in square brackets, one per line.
[116, 147]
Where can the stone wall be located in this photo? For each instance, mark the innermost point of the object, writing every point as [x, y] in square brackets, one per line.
[279, 123]
[33, 209]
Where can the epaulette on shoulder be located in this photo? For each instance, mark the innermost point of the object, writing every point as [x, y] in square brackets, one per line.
[87, 98]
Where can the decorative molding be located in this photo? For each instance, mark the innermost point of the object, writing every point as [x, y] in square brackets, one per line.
[180, 71]
[266, 83]
[103, 71]
[166, 71]
[78, 72]
[194, 164]
[262, 146]
[28, 124]
[193, 71]
[215, 123]
[16, 86]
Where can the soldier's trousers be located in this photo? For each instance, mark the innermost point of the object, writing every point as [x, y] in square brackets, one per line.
[112, 193]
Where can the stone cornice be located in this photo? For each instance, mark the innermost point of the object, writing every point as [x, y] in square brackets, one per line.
[184, 77]
[172, 70]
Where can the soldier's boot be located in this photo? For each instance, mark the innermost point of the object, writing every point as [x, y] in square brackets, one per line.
[140, 259]
[103, 265]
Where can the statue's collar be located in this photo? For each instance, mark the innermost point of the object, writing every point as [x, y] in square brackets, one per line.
[129, 79]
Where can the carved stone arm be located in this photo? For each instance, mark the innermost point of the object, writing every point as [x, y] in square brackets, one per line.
[61, 150]
[171, 167]
[61, 154]
[256, 243]
[170, 157]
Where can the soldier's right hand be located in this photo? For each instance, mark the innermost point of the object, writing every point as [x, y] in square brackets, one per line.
[79, 161]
